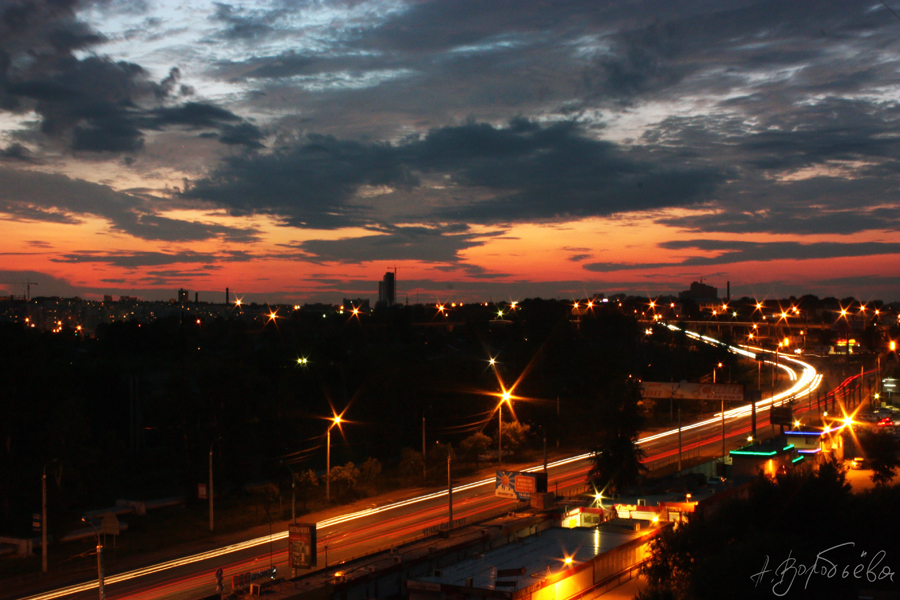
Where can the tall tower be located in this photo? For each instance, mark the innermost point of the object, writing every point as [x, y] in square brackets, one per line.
[387, 289]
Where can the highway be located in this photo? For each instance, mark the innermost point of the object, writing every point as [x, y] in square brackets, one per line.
[345, 536]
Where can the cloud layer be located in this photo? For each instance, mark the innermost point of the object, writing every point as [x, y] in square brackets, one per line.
[391, 130]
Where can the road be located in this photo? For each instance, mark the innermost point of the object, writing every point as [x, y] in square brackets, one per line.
[354, 534]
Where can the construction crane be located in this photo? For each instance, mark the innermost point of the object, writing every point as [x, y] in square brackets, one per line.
[27, 283]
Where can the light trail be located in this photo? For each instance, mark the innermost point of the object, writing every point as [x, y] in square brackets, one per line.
[806, 382]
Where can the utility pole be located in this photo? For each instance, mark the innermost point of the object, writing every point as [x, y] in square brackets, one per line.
[211, 520]
[449, 494]
[293, 493]
[723, 435]
[500, 433]
[100, 586]
[327, 471]
[44, 517]
[544, 431]
[679, 437]
[424, 464]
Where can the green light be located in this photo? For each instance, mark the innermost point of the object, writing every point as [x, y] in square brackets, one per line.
[753, 453]
[788, 447]
[798, 459]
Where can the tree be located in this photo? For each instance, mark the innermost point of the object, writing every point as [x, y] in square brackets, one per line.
[726, 548]
[370, 470]
[616, 457]
[514, 435]
[343, 479]
[473, 447]
[306, 481]
[881, 450]
[411, 463]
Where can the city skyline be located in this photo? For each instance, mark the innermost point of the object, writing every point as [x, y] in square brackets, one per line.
[295, 152]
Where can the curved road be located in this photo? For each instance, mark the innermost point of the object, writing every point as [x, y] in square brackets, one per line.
[362, 532]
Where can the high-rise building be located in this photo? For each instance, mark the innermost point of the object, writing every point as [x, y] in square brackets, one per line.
[182, 296]
[387, 289]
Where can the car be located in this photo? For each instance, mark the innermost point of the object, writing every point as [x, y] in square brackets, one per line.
[859, 463]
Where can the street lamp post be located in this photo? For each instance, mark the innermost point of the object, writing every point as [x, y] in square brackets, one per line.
[44, 517]
[293, 492]
[211, 519]
[335, 421]
[101, 587]
[449, 494]
[775, 365]
[504, 397]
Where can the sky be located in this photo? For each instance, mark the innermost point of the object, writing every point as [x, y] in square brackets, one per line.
[295, 151]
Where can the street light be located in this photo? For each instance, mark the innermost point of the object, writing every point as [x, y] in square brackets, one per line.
[504, 397]
[44, 516]
[100, 585]
[335, 421]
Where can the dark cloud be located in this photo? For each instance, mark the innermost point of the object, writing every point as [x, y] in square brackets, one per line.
[731, 252]
[557, 172]
[92, 104]
[192, 115]
[153, 259]
[239, 25]
[530, 172]
[48, 285]
[244, 134]
[659, 51]
[436, 245]
[44, 197]
[16, 152]
[308, 185]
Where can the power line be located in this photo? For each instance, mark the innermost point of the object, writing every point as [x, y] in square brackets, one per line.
[890, 9]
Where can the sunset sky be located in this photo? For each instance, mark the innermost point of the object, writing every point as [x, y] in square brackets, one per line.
[294, 151]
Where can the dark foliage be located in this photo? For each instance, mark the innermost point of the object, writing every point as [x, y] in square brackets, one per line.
[749, 546]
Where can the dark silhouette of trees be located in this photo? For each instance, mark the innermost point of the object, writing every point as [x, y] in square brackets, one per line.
[881, 450]
[738, 548]
[615, 456]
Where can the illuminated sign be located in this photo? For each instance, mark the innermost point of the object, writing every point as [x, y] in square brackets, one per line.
[513, 484]
[302, 545]
[730, 392]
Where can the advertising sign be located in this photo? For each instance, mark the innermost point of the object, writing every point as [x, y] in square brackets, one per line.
[302, 545]
[513, 484]
[781, 415]
[730, 392]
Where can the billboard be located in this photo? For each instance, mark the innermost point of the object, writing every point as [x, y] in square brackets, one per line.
[781, 415]
[730, 392]
[513, 484]
[302, 545]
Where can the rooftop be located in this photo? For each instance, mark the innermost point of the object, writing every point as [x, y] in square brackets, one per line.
[539, 555]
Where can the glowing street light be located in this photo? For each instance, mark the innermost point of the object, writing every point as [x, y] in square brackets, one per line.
[335, 421]
[504, 397]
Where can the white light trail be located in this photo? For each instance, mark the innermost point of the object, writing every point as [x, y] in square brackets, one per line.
[806, 382]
